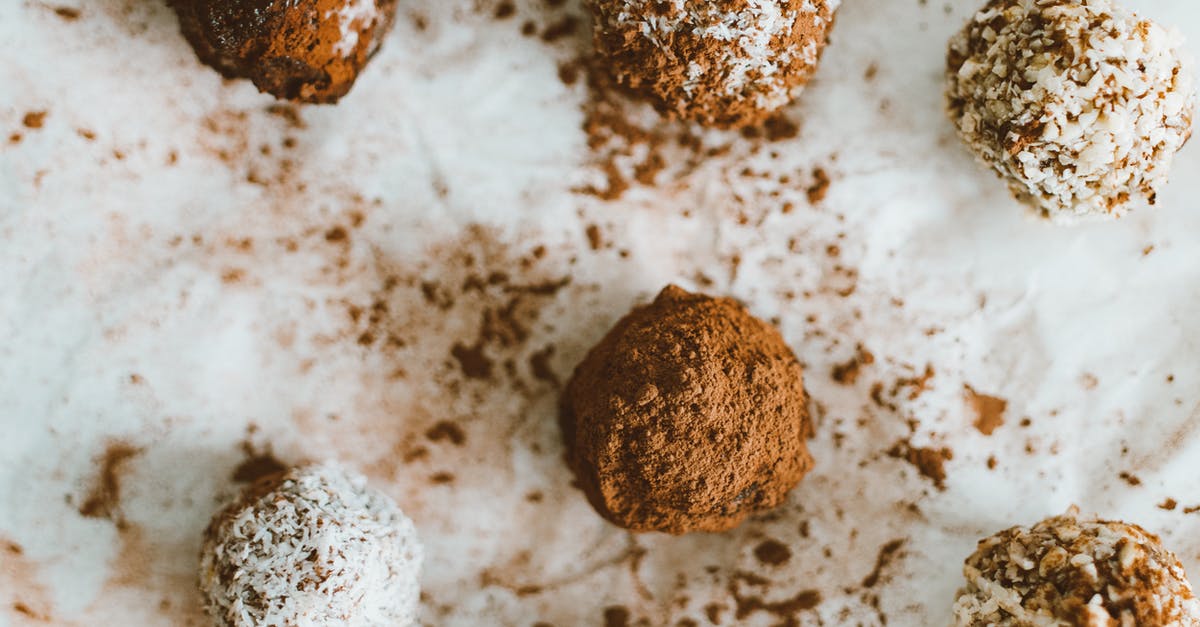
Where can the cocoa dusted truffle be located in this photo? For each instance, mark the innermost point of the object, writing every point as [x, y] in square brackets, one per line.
[313, 546]
[689, 415]
[723, 63]
[1080, 105]
[303, 50]
[1068, 570]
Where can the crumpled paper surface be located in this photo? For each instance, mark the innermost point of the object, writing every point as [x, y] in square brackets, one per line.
[192, 277]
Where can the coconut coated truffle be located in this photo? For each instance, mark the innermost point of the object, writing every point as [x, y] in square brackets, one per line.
[313, 546]
[690, 415]
[1079, 104]
[1078, 572]
[723, 63]
[303, 50]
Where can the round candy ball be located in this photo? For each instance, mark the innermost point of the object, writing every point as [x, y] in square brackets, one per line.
[303, 50]
[1079, 105]
[1071, 571]
[313, 546]
[723, 63]
[690, 415]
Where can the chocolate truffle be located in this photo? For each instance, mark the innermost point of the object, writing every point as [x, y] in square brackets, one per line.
[303, 50]
[688, 416]
[723, 63]
[312, 546]
[1072, 571]
[1079, 104]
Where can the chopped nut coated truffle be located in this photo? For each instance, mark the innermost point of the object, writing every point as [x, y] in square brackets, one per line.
[1079, 104]
[1072, 572]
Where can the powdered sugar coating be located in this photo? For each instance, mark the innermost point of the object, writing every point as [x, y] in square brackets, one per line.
[315, 547]
[723, 62]
[1080, 105]
[1070, 571]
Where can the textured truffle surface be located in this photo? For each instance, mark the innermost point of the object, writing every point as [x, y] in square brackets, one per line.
[303, 50]
[688, 416]
[1067, 571]
[1080, 105]
[314, 546]
[723, 63]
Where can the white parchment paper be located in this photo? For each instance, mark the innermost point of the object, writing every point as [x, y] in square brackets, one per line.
[188, 274]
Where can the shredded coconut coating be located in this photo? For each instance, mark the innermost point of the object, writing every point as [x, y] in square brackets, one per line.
[315, 547]
[723, 63]
[1070, 572]
[1079, 104]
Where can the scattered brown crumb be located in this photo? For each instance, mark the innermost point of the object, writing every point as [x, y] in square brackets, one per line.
[446, 430]
[69, 14]
[991, 462]
[778, 128]
[930, 462]
[505, 10]
[595, 237]
[1170, 504]
[887, 553]
[257, 464]
[1130, 478]
[819, 187]
[34, 119]
[847, 373]
[772, 552]
[103, 499]
[989, 410]
[616, 616]
[564, 27]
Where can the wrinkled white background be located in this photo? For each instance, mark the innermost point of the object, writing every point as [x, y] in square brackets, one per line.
[112, 266]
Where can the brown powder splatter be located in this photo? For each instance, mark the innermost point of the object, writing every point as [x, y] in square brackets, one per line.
[772, 552]
[616, 616]
[786, 611]
[1169, 505]
[989, 410]
[595, 238]
[1130, 478]
[819, 188]
[564, 27]
[103, 499]
[930, 462]
[69, 14]
[504, 10]
[917, 385]
[34, 119]
[778, 128]
[258, 464]
[472, 360]
[887, 554]
[847, 373]
[539, 364]
[446, 431]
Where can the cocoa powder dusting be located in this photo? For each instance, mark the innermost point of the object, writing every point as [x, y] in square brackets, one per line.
[688, 416]
[772, 552]
[258, 463]
[989, 410]
[103, 498]
[930, 462]
[847, 373]
[887, 554]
